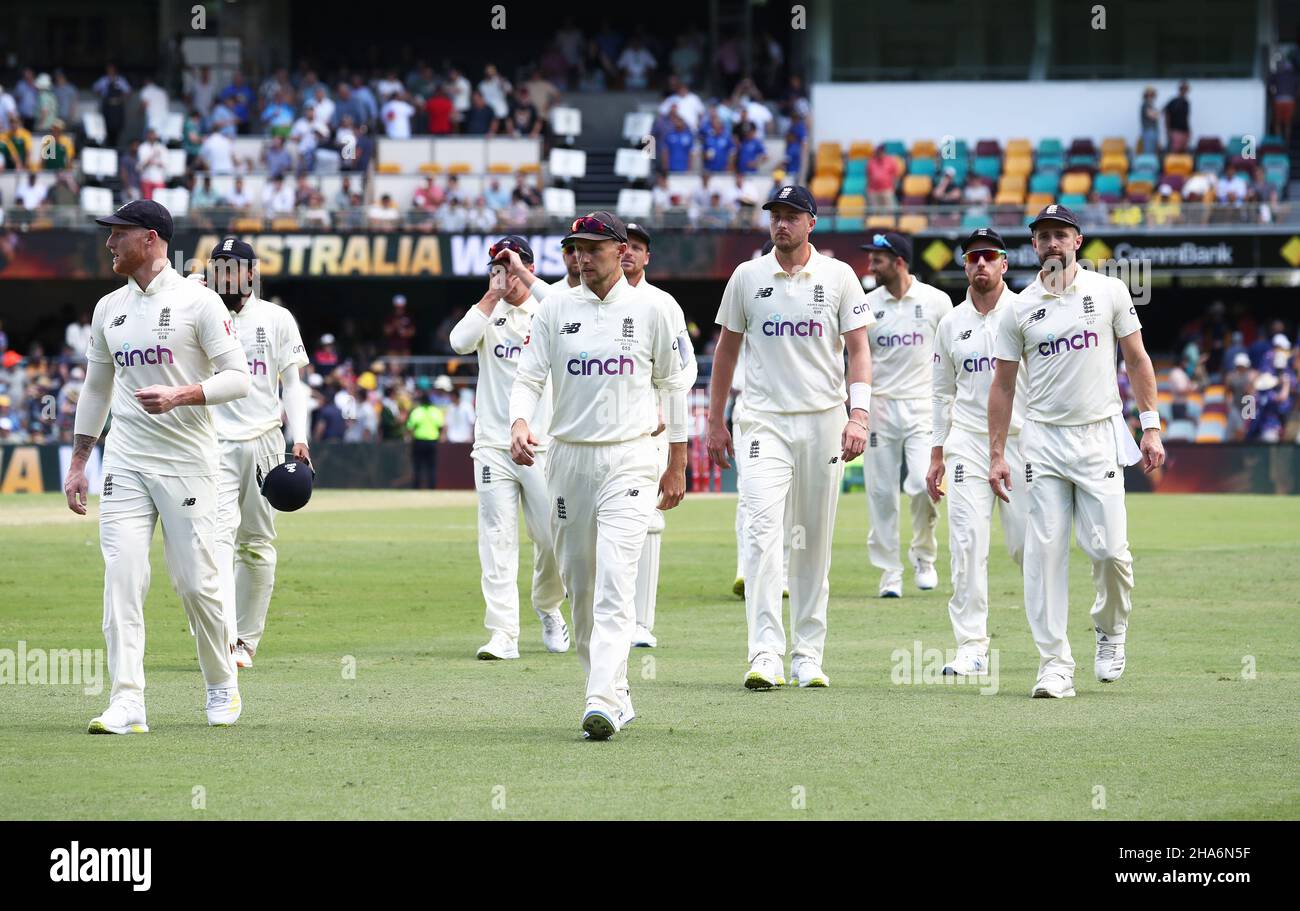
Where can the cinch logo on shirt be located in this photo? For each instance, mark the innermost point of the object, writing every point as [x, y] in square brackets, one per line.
[257, 368]
[977, 364]
[135, 357]
[862, 308]
[1074, 342]
[804, 328]
[610, 366]
[894, 341]
[508, 352]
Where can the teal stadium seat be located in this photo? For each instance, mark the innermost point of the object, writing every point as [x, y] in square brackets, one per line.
[988, 167]
[1044, 183]
[1108, 185]
[1211, 162]
[924, 166]
[1050, 147]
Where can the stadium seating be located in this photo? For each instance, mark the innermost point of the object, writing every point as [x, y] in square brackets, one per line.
[97, 200]
[99, 163]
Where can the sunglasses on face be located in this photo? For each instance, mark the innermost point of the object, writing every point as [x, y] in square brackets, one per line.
[590, 225]
[988, 256]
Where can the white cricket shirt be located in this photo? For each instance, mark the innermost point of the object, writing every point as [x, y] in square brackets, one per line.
[271, 341]
[167, 334]
[605, 359]
[902, 341]
[679, 327]
[963, 369]
[1067, 346]
[794, 352]
[499, 342]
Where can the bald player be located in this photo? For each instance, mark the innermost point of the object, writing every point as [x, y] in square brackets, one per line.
[797, 312]
[1075, 444]
[634, 263]
[907, 313]
[162, 351]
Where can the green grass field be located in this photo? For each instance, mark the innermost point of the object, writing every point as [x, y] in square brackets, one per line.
[425, 731]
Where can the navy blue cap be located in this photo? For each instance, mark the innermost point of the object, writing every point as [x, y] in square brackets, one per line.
[640, 230]
[983, 239]
[794, 196]
[512, 242]
[230, 247]
[1055, 212]
[891, 242]
[141, 213]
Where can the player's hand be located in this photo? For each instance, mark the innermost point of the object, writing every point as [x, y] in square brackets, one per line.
[658, 430]
[672, 487]
[933, 478]
[1000, 478]
[198, 277]
[303, 454]
[853, 440]
[720, 447]
[1153, 451]
[75, 488]
[158, 399]
[514, 265]
[522, 442]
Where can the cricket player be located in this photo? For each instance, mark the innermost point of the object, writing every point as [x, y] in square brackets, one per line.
[252, 442]
[497, 329]
[907, 313]
[606, 347]
[963, 372]
[1074, 443]
[796, 312]
[162, 351]
[634, 262]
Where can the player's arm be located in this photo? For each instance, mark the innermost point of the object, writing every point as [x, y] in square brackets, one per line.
[943, 380]
[856, 430]
[1142, 375]
[725, 353]
[295, 410]
[88, 424]
[1008, 347]
[530, 382]
[674, 373]
[515, 266]
[466, 334]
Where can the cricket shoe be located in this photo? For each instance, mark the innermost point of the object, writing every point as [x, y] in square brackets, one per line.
[626, 714]
[555, 636]
[1053, 686]
[765, 672]
[967, 664]
[501, 648]
[805, 672]
[738, 587]
[243, 657]
[891, 584]
[1110, 658]
[927, 577]
[121, 717]
[224, 705]
[597, 725]
[643, 638]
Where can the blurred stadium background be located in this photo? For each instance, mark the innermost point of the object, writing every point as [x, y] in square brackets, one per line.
[368, 155]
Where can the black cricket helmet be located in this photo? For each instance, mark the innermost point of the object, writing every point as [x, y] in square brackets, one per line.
[288, 485]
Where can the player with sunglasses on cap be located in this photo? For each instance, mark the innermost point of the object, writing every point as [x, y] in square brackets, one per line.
[962, 374]
[907, 313]
[497, 329]
[1062, 332]
[634, 263]
[607, 348]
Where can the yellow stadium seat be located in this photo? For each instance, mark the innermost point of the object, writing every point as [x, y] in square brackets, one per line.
[245, 224]
[880, 221]
[531, 167]
[1013, 183]
[430, 167]
[284, 223]
[389, 167]
[459, 167]
[1076, 183]
[500, 167]
[825, 188]
[861, 149]
[851, 205]
[1009, 198]
[829, 150]
[917, 185]
[1113, 145]
[829, 168]
[1019, 148]
[1020, 165]
[1034, 204]
[1114, 163]
[924, 148]
[1178, 163]
[912, 223]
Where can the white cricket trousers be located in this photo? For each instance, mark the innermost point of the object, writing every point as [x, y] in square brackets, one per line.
[129, 508]
[603, 497]
[246, 534]
[900, 429]
[738, 444]
[501, 486]
[1072, 474]
[647, 569]
[970, 520]
[794, 456]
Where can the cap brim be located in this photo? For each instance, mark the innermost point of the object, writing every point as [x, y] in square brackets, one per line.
[1060, 221]
[109, 220]
[982, 245]
[228, 255]
[772, 203]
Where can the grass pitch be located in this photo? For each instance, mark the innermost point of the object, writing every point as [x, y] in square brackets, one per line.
[1202, 725]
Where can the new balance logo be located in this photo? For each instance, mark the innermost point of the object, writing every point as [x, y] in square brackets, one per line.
[965, 335]
[189, 502]
[501, 321]
[872, 442]
[834, 459]
[634, 492]
[108, 486]
[1110, 474]
[762, 292]
[487, 474]
[880, 314]
[1037, 315]
[569, 328]
[753, 449]
[559, 508]
[959, 473]
[117, 322]
[1029, 473]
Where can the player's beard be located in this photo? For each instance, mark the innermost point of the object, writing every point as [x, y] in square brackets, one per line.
[232, 301]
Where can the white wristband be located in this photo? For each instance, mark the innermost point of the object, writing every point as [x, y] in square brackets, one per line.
[1150, 420]
[860, 396]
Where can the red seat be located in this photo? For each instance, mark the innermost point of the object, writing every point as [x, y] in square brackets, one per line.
[988, 147]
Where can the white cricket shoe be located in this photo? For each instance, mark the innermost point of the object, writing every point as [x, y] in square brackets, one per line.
[927, 577]
[967, 664]
[122, 717]
[597, 725]
[765, 672]
[1053, 686]
[243, 657]
[804, 671]
[643, 638]
[555, 635]
[891, 584]
[499, 648]
[627, 714]
[1110, 658]
[224, 705]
